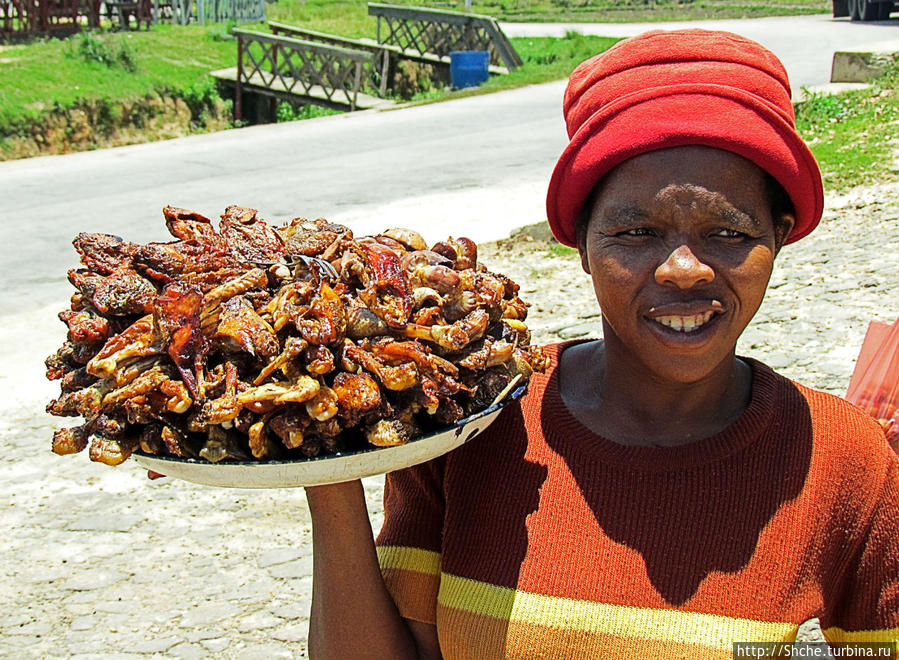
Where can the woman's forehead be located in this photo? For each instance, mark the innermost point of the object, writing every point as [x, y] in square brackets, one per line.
[684, 173]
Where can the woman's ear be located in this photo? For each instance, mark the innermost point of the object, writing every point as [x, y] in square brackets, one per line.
[585, 263]
[580, 240]
[782, 228]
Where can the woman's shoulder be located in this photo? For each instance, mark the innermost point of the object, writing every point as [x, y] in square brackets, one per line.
[830, 411]
[845, 437]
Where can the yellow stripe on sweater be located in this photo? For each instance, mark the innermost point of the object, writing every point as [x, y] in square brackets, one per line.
[709, 630]
[408, 559]
[839, 635]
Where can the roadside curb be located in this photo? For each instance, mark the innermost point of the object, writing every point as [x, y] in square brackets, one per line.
[803, 94]
[865, 63]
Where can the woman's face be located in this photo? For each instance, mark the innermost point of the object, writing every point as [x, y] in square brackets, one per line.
[680, 246]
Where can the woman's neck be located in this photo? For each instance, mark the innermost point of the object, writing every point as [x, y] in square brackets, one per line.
[616, 398]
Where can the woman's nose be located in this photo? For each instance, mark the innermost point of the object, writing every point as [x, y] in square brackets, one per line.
[684, 269]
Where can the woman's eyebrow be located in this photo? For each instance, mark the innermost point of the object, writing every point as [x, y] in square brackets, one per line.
[624, 215]
[740, 218]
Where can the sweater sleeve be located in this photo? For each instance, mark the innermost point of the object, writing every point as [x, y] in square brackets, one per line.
[410, 540]
[871, 606]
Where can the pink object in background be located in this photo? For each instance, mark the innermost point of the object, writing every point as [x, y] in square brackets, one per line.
[874, 385]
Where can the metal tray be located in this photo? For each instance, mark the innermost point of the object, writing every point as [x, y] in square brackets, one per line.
[331, 468]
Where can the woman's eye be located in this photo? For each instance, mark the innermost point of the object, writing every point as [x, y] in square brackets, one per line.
[729, 233]
[638, 231]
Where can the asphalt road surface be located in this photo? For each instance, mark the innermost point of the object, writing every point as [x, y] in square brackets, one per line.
[475, 167]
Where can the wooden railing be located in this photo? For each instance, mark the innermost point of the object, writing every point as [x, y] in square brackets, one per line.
[436, 33]
[23, 18]
[379, 69]
[287, 68]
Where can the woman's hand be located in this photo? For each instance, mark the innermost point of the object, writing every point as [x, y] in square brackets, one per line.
[353, 615]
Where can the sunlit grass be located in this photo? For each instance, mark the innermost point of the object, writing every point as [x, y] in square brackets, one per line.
[854, 135]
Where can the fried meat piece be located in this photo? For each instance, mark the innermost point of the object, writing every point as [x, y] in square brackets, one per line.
[387, 433]
[124, 293]
[386, 290]
[189, 225]
[85, 327]
[177, 316]
[241, 328]
[138, 340]
[357, 395]
[250, 237]
[312, 237]
[72, 440]
[167, 262]
[103, 253]
[112, 451]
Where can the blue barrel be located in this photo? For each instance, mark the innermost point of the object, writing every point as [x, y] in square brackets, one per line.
[469, 68]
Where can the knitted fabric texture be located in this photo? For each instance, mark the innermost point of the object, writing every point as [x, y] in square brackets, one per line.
[678, 88]
[541, 539]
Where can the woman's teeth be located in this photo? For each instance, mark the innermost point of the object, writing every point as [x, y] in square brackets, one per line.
[685, 323]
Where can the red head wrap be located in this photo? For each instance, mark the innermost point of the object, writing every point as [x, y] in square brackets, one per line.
[671, 89]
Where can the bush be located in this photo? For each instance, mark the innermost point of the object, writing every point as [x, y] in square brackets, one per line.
[284, 112]
[92, 47]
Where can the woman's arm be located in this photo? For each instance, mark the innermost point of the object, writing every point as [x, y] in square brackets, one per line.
[353, 615]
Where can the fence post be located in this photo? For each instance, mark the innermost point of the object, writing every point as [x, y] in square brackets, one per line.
[385, 73]
[275, 60]
[238, 89]
[356, 82]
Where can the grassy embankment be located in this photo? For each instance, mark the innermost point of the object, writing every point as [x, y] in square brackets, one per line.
[102, 89]
[854, 135]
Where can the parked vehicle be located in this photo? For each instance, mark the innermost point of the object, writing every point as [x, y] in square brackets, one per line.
[863, 10]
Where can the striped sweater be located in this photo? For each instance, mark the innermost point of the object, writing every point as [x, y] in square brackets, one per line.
[540, 539]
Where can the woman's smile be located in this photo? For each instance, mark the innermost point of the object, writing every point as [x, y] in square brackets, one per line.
[684, 323]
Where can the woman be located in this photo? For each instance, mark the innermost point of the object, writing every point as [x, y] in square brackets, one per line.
[654, 495]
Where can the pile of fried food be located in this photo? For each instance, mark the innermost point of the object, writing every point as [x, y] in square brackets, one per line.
[249, 341]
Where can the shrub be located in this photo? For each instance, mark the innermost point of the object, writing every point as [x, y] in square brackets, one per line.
[93, 47]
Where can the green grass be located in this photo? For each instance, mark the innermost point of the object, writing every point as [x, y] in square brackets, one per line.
[854, 135]
[350, 17]
[55, 73]
[544, 59]
[548, 58]
[559, 250]
[626, 11]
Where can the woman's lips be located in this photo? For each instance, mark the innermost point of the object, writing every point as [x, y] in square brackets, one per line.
[685, 317]
[685, 323]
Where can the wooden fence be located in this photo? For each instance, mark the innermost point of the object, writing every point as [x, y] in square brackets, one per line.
[298, 70]
[25, 18]
[184, 12]
[21, 18]
[378, 72]
[433, 33]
